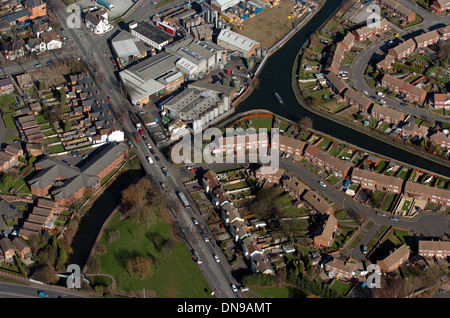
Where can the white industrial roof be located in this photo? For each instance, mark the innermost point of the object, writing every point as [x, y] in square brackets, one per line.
[237, 40]
[125, 48]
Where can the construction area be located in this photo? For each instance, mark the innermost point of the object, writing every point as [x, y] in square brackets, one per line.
[270, 25]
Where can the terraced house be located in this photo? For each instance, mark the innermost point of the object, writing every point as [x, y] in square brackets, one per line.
[326, 161]
[411, 92]
[376, 181]
[430, 194]
[439, 249]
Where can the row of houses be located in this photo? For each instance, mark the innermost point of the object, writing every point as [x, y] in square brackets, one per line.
[361, 102]
[347, 269]
[367, 179]
[259, 261]
[41, 218]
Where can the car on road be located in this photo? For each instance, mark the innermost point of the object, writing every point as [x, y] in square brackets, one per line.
[380, 94]
[157, 158]
[195, 221]
[380, 213]
[365, 92]
[42, 294]
[382, 101]
[216, 258]
[205, 237]
[37, 65]
[152, 151]
[150, 160]
[322, 183]
[233, 287]
[109, 98]
[49, 62]
[393, 218]
[149, 146]
[364, 249]
[163, 186]
[165, 171]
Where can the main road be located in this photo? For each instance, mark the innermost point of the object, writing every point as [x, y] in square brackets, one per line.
[94, 51]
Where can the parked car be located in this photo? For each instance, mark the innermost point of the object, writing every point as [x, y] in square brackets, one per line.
[365, 92]
[233, 287]
[216, 258]
[149, 146]
[393, 218]
[322, 183]
[380, 213]
[4, 233]
[84, 156]
[382, 101]
[380, 94]
[205, 237]
[197, 188]
[13, 207]
[109, 98]
[157, 158]
[195, 221]
[152, 151]
[163, 186]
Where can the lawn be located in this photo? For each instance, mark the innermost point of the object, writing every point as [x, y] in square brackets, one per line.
[9, 122]
[341, 287]
[277, 292]
[178, 275]
[260, 122]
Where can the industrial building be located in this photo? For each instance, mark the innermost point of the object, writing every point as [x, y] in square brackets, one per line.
[233, 41]
[197, 108]
[151, 35]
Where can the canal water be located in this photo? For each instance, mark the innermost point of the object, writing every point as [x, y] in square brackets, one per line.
[101, 209]
[276, 77]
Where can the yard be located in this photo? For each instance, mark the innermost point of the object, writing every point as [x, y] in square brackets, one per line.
[174, 274]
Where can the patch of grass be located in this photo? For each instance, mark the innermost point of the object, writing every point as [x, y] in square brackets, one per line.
[9, 122]
[175, 276]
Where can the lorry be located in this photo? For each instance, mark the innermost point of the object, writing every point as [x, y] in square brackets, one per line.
[106, 4]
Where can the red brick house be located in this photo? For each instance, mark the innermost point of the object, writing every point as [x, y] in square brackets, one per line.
[411, 92]
[394, 260]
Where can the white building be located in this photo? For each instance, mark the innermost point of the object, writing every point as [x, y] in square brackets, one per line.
[222, 5]
[98, 21]
[233, 41]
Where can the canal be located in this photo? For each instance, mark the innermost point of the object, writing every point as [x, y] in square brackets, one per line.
[277, 76]
[101, 209]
